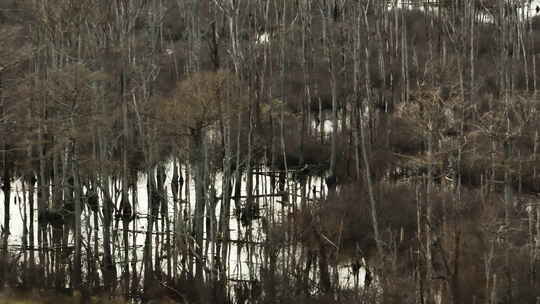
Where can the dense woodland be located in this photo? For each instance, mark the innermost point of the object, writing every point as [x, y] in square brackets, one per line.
[321, 141]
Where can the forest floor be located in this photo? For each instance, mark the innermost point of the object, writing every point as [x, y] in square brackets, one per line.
[54, 299]
[63, 299]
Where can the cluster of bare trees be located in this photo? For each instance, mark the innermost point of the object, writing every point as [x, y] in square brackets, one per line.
[273, 151]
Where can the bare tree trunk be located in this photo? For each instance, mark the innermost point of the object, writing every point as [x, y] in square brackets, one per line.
[198, 161]
[108, 268]
[31, 191]
[77, 279]
[124, 204]
[134, 256]
[6, 188]
[363, 143]
[176, 217]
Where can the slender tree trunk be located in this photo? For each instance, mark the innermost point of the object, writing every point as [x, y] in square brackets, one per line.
[6, 188]
[198, 161]
[77, 279]
[363, 143]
